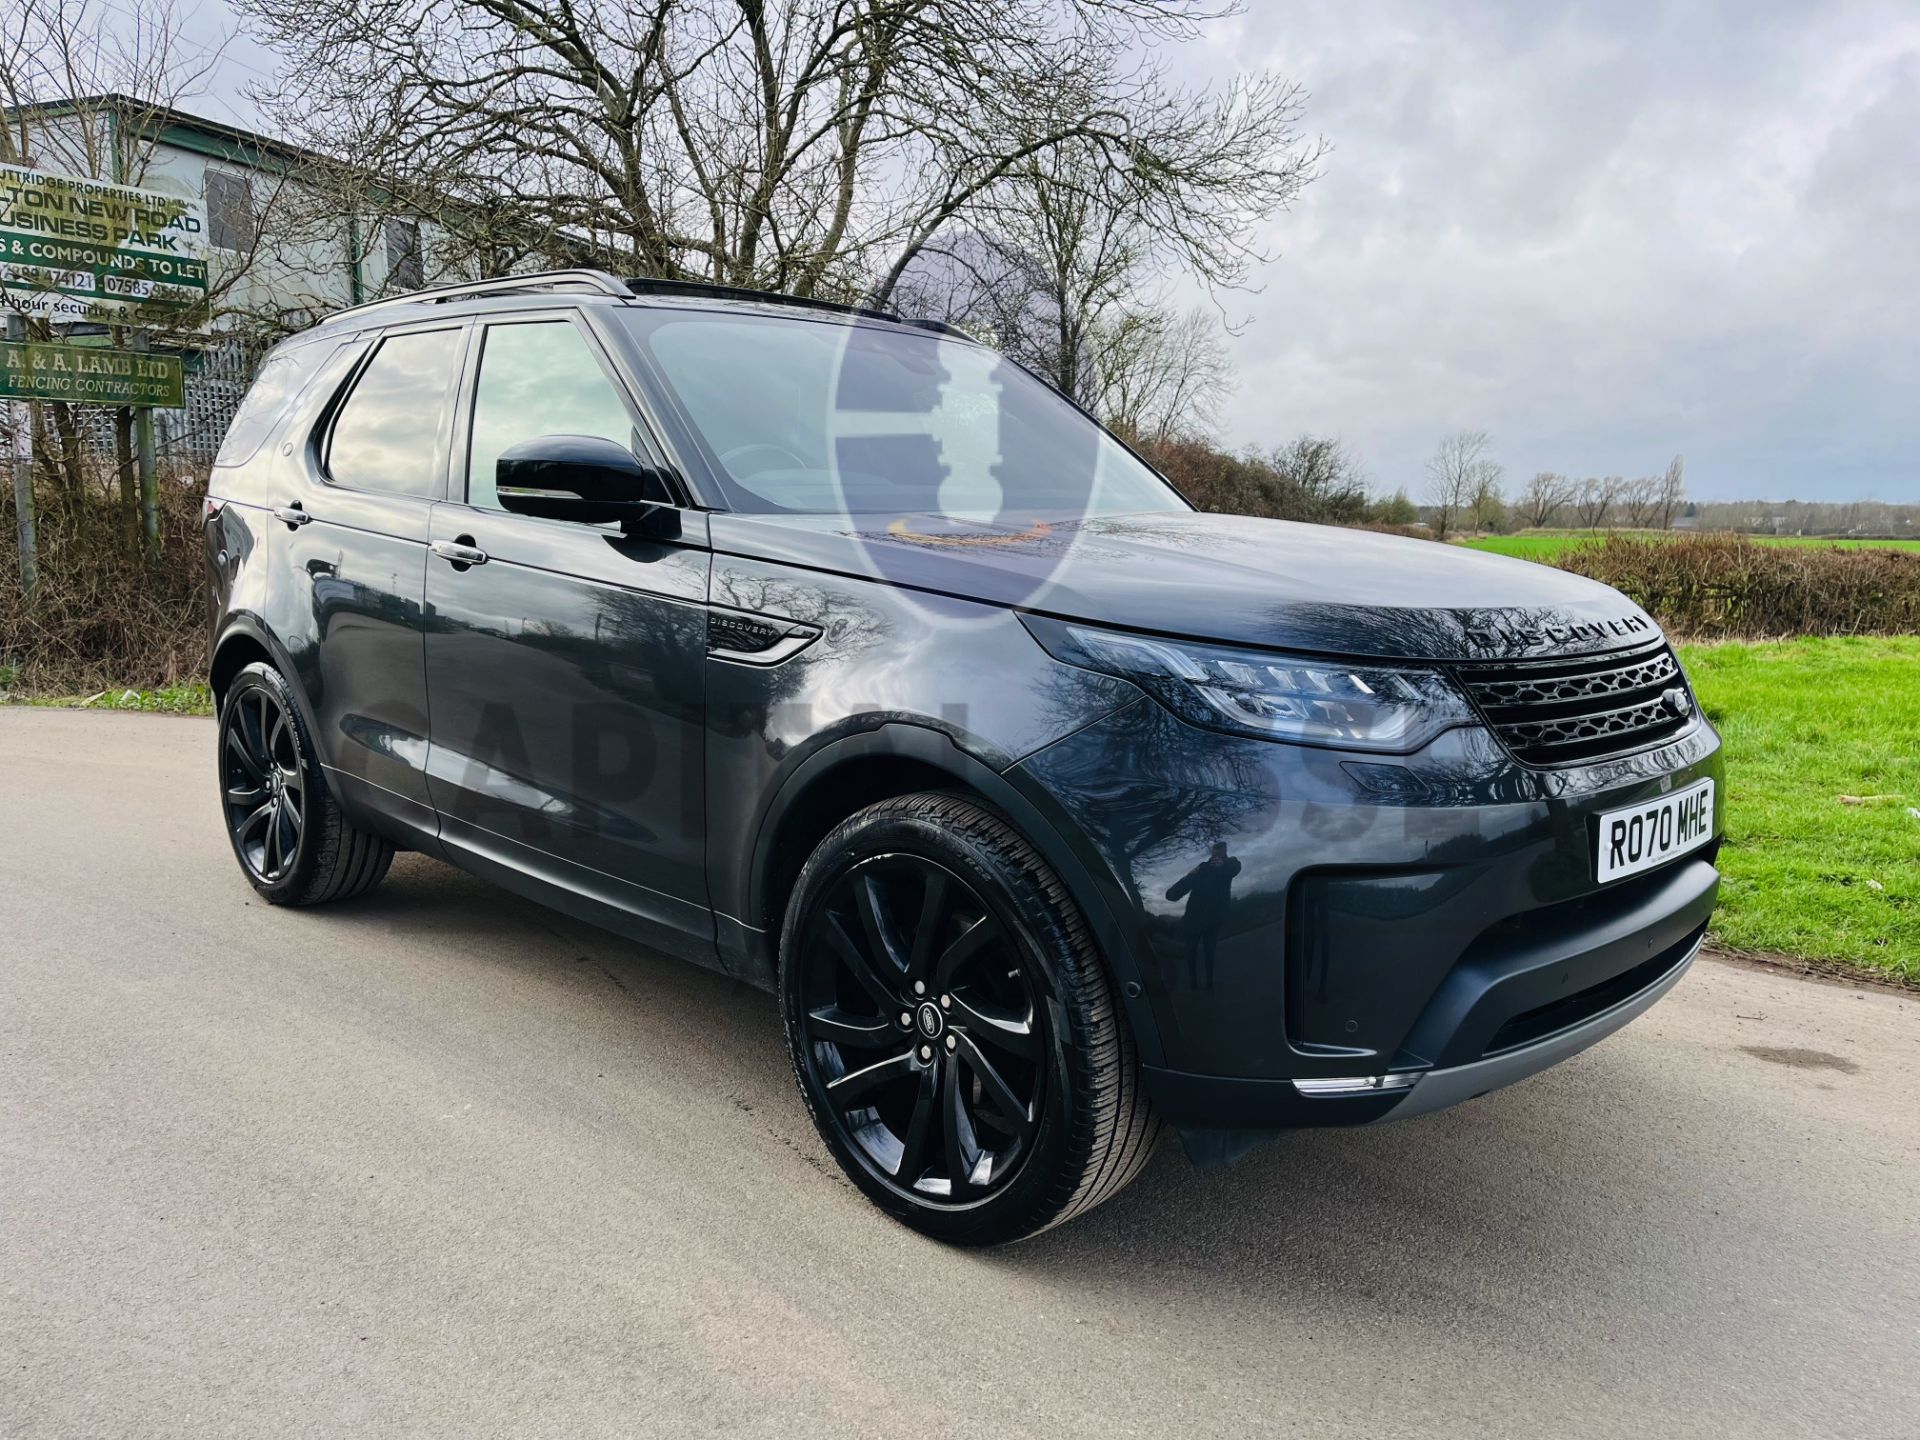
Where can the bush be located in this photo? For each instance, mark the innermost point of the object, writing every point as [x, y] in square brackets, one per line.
[1721, 586]
[1405, 532]
[1311, 479]
[103, 617]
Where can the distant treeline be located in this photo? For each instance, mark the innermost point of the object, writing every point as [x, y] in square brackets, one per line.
[1316, 478]
[1872, 518]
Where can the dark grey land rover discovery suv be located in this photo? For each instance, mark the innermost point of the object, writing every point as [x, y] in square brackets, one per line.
[839, 653]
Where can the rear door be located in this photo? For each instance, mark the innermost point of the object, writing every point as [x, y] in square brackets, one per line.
[565, 670]
[355, 535]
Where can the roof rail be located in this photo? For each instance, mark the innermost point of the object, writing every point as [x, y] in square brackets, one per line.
[601, 283]
[712, 290]
[942, 327]
[550, 281]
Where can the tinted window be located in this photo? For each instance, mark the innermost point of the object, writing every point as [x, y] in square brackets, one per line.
[387, 435]
[819, 417]
[538, 379]
[281, 377]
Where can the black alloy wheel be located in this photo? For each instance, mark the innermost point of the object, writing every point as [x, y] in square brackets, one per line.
[261, 785]
[922, 1027]
[292, 839]
[952, 1026]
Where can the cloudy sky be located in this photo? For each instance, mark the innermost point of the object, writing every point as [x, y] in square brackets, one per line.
[1607, 233]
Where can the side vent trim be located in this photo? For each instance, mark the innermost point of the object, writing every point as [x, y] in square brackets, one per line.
[741, 637]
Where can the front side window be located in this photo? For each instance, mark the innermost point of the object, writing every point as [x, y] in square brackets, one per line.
[818, 417]
[387, 435]
[538, 378]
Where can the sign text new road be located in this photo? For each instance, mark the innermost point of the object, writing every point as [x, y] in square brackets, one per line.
[79, 249]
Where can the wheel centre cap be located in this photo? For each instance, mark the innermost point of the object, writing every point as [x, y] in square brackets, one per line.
[928, 1018]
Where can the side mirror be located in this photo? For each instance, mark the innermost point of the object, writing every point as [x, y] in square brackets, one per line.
[578, 477]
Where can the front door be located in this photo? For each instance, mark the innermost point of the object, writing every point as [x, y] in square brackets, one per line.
[565, 661]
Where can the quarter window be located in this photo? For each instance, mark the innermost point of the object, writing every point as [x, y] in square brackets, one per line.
[279, 379]
[387, 435]
[541, 378]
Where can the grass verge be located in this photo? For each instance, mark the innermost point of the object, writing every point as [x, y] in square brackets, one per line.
[189, 699]
[1823, 806]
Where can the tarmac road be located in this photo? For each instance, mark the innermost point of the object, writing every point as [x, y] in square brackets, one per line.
[441, 1163]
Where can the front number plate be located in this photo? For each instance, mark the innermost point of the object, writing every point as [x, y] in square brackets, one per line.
[1651, 834]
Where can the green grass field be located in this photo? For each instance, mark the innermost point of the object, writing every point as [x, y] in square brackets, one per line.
[1547, 546]
[1809, 873]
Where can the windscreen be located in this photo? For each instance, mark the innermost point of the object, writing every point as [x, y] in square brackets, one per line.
[818, 417]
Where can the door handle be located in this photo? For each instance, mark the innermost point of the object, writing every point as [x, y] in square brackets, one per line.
[294, 515]
[459, 553]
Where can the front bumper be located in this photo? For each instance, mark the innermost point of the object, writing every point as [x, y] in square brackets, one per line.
[1437, 1089]
[1430, 919]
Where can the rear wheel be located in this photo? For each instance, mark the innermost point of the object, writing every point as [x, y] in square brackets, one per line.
[952, 1028]
[292, 840]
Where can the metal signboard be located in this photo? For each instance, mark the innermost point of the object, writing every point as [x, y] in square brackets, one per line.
[79, 249]
[90, 375]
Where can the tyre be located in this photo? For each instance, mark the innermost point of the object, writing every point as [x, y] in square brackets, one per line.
[952, 1027]
[288, 832]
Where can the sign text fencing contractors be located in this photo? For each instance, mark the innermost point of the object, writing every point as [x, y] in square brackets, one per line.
[90, 375]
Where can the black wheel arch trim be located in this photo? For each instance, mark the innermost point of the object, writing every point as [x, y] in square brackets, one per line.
[1024, 804]
[248, 626]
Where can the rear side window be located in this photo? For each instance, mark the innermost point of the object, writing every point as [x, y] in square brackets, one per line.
[387, 435]
[283, 374]
[540, 378]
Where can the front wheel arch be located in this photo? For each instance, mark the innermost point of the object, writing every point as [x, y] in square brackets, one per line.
[933, 762]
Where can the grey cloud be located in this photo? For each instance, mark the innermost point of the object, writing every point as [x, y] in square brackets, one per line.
[1606, 233]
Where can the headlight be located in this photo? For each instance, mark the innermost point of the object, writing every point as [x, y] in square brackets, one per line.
[1277, 697]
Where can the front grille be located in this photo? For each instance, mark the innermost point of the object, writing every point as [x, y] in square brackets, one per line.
[1559, 712]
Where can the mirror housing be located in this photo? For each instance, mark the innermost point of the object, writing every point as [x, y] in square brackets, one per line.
[578, 477]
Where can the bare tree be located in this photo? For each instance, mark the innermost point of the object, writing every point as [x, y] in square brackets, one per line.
[1545, 496]
[1063, 282]
[1594, 500]
[1323, 479]
[1639, 500]
[1463, 479]
[1487, 507]
[1157, 375]
[815, 146]
[1673, 493]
